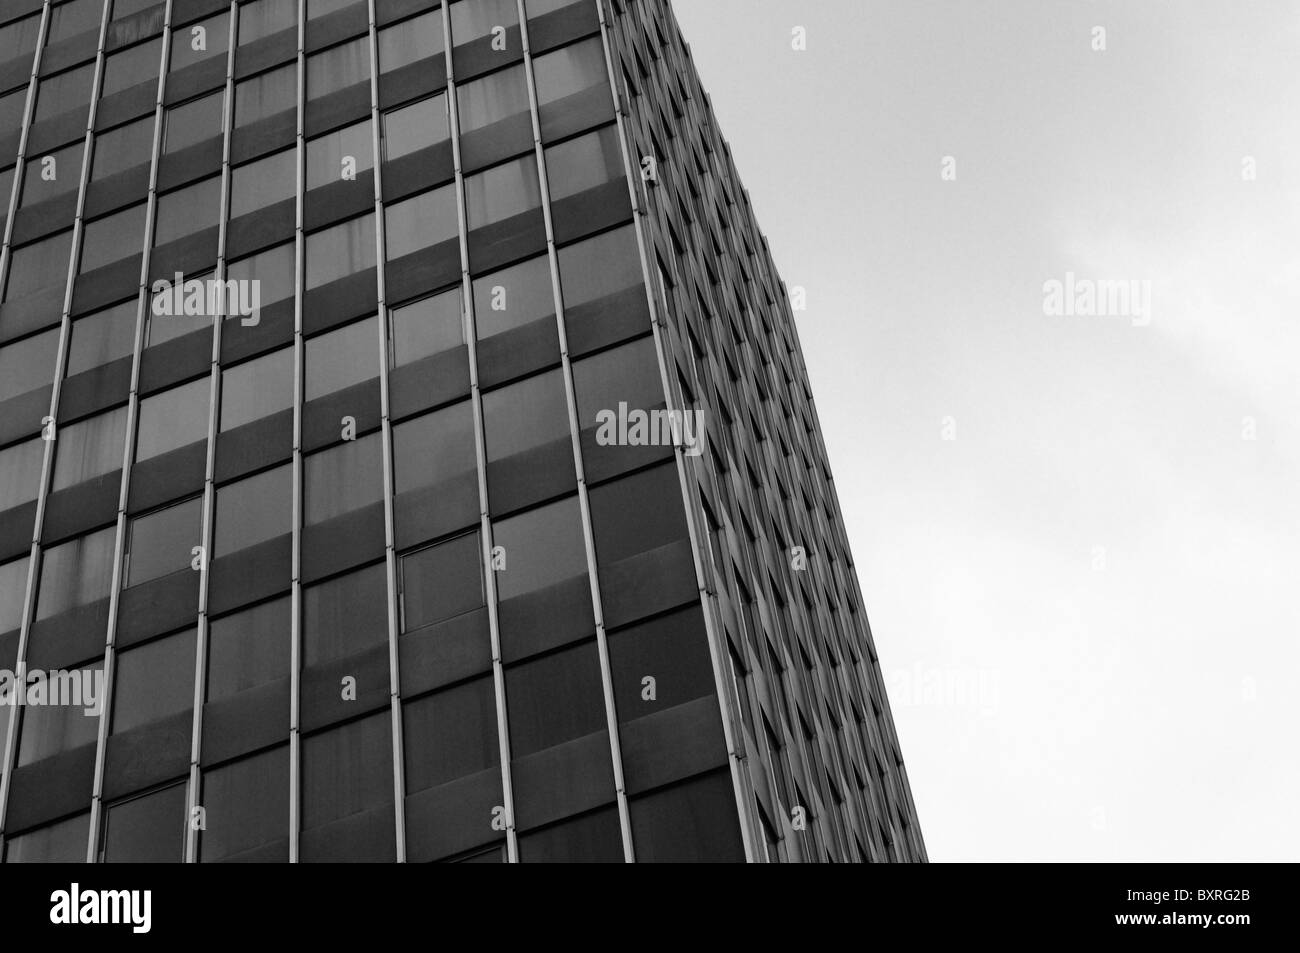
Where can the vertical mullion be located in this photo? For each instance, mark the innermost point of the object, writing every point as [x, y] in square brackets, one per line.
[295, 601]
[575, 432]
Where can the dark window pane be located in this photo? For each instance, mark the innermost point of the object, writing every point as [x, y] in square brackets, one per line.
[410, 41]
[168, 326]
[39, 265]
[637, 513]
[502, 191]
[247, 805]
[450, 735]
[262, 183]
[627, 374]
[122, 148]
[436, 447]
[340, 251]
[28, 364]
[50, 729]
[12, 107]
[19, 37]
[264, 17]
[442, 582]
[20, 476]
[89, 448]
[135, 64]
[154, 681]
[427, 327]
[341, 358]
[161, 542]
[543, 546]
[64, 91]
[113, 238]
[52, 174]
[584, 163]
[525, 415]
[347, 770]
[175, 418]
[320, 8]
[253, 510]
[569, 70]
[342, 479]
[595, 838]
[471, 19]
[189, 123]
[70, 19]
[102, 337]
[599, 266]
[554, 699]
[496, 96]
[199, 41]
[674, 650]
[266, 94]
[271, 269]
[338, 67]
[256, 388]
[188, 210]
[419, 222]
[248, 649]
[690, 822]
[537, 8]
[13, 590]
[149, 829]
[325, 154]
[345, 616]
[513, 297]
[124, 8]
[63, 842]
[415, 127]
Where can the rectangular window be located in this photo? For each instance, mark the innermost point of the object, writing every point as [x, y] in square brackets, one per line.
[267, 181]
[19, 37]
[266, 94]
[416, 126]
[148, 829]
[584, 163]
[200, 41]
[600, 266]
[338, 67]
[50, 175]
[433, 448]
[135, 64]
[450, 734]
[154, 681]
[554, 699]
[28, 364]
[568, 70]
[187, 211]
[248, 649]
[247, 805]
[492, 98]
[513, 297]
[193, 122]
[63, 842]
[410, 41]
[342, 250]
[525, 415]
[50, 729]
[122, 148]
[161, 542]
[426, 327]
[629, 373]
[419, 222]
[341, 358]
[73, 18]
[39, 265]
[20, 476]
[13, 590]
[471, 19]
[63, 91]
[344, 616]
[442, 582]
[173, 419]
[76, 573]
[545, 547]
[256, 388]
[348, 770]
[271, 269]
[261, 18]
[327, 154]
[160, 328]
[113, 238]
[342, 479]
[253, 510]
[503, 191]
[89, 448]
[102, 337]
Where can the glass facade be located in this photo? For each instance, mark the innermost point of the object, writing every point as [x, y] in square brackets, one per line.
[397, 474]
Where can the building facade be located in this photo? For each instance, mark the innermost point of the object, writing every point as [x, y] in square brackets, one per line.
[406, 452]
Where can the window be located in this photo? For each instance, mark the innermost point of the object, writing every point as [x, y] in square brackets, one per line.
[89, 448]
[38, 265]
[266, 95]
[410, 41]
[188, 210]
[55, 173]
[584, 163]
[471, 19]
[124, 8]
[419, 222]
[199, 41]
[253, 510]
[554, 699]
[102, 337]
[426, 327]
[538, 8]
[126, 68]
[265, 182]
[256, 388]
[348, 770]
[494, 97]
[247, 806]
[154, 681]
[569, 70]
[338, 67]
[341, 358]
[600, 266]
[28, 364]
[414, 127]
[544, 547]
[265, 17]
[161, 542]
[594, 838]
[13, 590]
[160, 328]
[19, 37]
[72, 18]
[63, 91]
[343, 478]
[50, 729]
[637, 514]
[340, 251]
[325, 154]
[113, 238]
[628, 373]
[502, 191]
[175, 418]
[122, 148]
[63, 842]
[513, 297]
[525, 415]
[690, 822]
[148, 829]
[193, 122]
[442, 582]
[450, 734]
[20, 476]
[272, 269]
[76, 573]
[248, 649]
[12, 107]
[320, 8]
[434, 448]
[344, 616]
[672, 648]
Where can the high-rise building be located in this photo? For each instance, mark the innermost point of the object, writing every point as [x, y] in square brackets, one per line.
[488, 519]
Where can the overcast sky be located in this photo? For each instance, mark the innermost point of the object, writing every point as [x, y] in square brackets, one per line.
[1085, 603]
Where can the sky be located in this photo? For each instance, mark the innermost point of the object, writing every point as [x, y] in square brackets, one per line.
[1077, 535]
